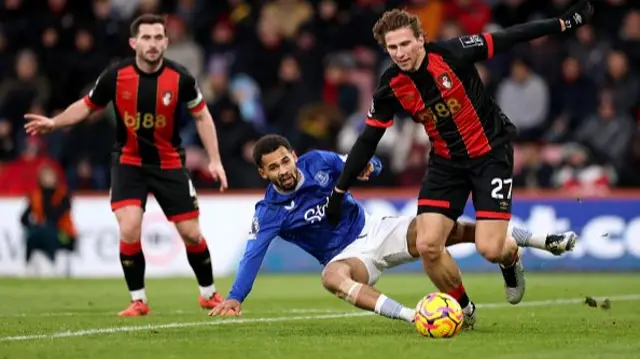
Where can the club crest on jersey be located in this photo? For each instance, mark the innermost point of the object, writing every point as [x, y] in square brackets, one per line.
[445, 81]
[166, 98]
[322, 178]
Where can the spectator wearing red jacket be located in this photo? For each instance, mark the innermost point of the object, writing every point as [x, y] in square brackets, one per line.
[20, 176]
[472, 15]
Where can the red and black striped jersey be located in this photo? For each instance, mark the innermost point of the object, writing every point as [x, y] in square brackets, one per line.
[147, 108]
[447, 96]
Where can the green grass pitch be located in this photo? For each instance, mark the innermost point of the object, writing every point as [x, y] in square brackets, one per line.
[292, 316]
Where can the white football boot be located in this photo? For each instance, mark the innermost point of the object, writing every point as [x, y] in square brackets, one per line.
[514, 284]
[469, 317]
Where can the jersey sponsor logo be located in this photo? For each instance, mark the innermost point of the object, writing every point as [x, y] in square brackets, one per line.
[471, 41]
[439, 111]
[144, 120]
[255, 228]
[315, 214]
[322, 178]
[166, 98]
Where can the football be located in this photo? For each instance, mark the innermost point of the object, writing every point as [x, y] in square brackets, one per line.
[438, 315]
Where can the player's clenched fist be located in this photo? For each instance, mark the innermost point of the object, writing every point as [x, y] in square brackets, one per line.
[228, 307]
[38, 125]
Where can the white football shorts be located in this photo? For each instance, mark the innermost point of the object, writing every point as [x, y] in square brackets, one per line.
[381, 245]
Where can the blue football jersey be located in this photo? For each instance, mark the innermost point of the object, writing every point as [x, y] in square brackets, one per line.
[298, 217]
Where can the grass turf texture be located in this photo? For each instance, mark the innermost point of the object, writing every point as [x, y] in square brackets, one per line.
[294, 317]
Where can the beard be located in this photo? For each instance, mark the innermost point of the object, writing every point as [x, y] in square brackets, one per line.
[289, 183]
[147, 58]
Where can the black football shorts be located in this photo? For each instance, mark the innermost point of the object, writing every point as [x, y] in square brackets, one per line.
[446, 186]
[172, 188]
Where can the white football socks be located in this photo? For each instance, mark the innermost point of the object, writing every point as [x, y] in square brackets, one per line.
[139, 295]
[391, 309]
[525, 238]
[208, 291]
[469, 309]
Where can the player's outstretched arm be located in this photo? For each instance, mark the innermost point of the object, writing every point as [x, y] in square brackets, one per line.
[207, 132]
[380, 117]
[576, 16]
[357, 161]
[100, 95]
[383, 109]
[359, 156]
[191, 96]
[37, 124]
[337, 163]
[474, 48]
[245, 277]
[263, 231]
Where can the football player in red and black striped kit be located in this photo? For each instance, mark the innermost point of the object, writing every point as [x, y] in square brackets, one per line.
[148, 93]
[471, 153]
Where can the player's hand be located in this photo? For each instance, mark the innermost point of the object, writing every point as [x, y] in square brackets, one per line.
[38, 125]
[228, 307]
[578, 15]
[366, 173]
[334, 207]
[218, 174]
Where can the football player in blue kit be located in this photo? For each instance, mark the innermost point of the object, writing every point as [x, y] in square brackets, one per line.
[358, 249]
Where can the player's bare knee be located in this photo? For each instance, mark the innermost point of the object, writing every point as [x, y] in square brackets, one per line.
[431, 252]
[337, 280]
[130, 223]
[490, 239]
[429, 248]
[130, 231]
[412, 235]
[333, 275]
[189, 232]
[192, 238]
[491, 248]
[331, 281]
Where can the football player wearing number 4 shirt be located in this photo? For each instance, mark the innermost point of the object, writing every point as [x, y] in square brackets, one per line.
[438, 85]
[354, 253]
[148, 93]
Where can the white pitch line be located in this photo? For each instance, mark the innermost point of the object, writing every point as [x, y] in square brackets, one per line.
[542, 303]
[81, 333]
[160, 313]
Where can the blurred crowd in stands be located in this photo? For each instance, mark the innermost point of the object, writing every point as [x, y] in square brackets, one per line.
[307, 70]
